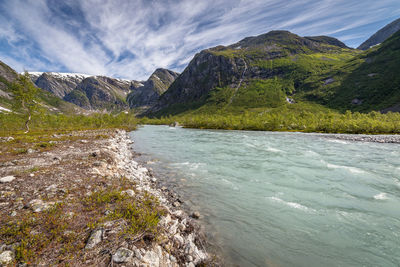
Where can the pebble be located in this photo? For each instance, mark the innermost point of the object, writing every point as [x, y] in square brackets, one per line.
[7, 179]
[195, 215]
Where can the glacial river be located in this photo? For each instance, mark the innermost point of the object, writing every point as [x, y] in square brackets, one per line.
[283, 199]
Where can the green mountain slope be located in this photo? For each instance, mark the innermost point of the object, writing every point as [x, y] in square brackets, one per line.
[366, 82]
[258, 72]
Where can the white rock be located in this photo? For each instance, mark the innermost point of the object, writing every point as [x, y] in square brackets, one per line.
[10, 138]
[94, 239]
[128, 192]
[6, 257]
[7, 179]
[37, 205]
[122, 255]
[151, 258]
[178, 239]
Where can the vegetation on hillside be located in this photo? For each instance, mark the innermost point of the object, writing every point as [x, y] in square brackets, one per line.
[303, 117]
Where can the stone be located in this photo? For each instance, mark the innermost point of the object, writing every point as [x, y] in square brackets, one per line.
[37, 205]
[30, 151]
[84, 141]
[329, 81]
[195, 215]
[9, 139]
[128, 192]
[122, 255]
[6, 257]
[13, 213]
[52, 187]
[151, 258]
[138, 254]
[95, 238]
[191, 264]
[176, 204]
[178, 239]
[7, 179]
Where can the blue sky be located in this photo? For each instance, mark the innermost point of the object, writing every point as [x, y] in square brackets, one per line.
[131, 38]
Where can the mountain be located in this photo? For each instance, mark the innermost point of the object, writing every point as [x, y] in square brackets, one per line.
[88, 92]
[381, 35]
[260, 71]
[48, 100]
[59, 84]
[7, 76]
[369, 81]
[147, 94]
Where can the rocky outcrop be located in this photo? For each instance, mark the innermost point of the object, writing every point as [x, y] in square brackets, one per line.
[148, 93]
[100, 92]
[60, 84]
[7, 76]
[381, 35]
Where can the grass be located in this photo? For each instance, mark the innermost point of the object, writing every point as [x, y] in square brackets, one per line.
[36, 234]
[14, 123]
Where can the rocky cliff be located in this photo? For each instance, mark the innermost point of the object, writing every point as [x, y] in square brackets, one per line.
[147, 94]
[88, 92]
[381, 35]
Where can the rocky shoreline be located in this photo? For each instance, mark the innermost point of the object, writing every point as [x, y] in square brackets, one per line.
[394, 139]
[79, 186]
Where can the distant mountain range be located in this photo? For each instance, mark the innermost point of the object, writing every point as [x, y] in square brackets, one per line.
[269, 70]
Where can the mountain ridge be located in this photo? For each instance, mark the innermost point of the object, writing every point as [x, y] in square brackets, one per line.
[381, 35]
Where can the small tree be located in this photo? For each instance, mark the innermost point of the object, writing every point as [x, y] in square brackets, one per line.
[25, 97]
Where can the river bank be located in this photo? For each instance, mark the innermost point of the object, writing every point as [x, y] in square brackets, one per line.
[80, 199]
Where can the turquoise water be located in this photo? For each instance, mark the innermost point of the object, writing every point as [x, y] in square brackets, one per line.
[284, 199]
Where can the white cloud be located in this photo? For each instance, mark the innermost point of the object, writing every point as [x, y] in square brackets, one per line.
[166, 33]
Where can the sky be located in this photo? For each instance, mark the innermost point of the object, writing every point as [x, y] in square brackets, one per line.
[129, 39]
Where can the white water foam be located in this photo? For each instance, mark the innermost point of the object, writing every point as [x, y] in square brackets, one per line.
[381, 196]
[350, 169]
[275, 150]
[291, 204]
[192, 166]
[337, 141]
